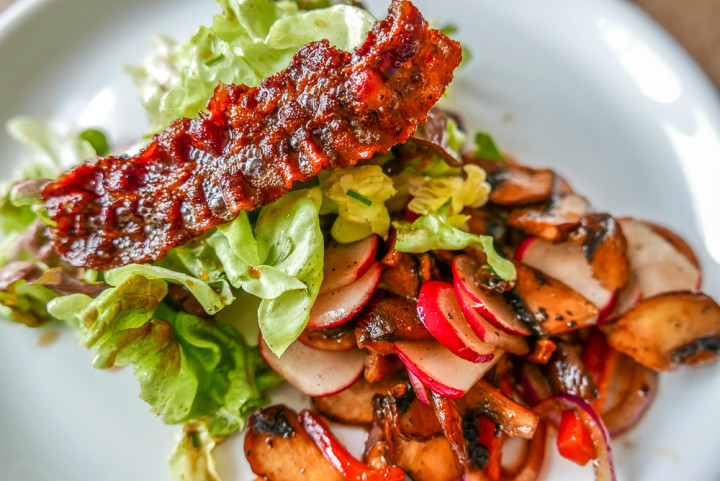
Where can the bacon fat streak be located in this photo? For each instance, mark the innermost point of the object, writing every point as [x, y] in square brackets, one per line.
[328, 109]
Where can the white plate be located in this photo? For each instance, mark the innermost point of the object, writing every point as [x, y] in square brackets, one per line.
[592, 89]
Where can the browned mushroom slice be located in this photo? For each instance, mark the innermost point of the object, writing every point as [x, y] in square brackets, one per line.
[668, 330]
[338, 338]
[555, 307]
[382, 366]
[354, 404]
[515, 185]
[487, 221]
[448, 414]
[554, 221]
[568, 374]
[510, 416]
[403, 277]
[419, 421]
[431, 460]
[389, 317]
[605, 248]
[278, 448]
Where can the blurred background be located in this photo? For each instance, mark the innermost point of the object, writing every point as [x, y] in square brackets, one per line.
[694, 23]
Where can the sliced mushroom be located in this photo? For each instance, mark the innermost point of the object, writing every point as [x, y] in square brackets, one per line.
[605, 248]
[668, 330]
[554, 221]
[338, 338]
[279, 449]
[510, 416]
[555, 307]
[379, 367]
[515, 185]
[431, 460]
[402, 277]
[389, 317]
[354, 404]
[568, 374]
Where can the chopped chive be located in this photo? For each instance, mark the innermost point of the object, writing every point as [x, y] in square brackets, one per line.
[215, 60]
[486, 148]
[359, 197]
[195, 438]
[97, 140]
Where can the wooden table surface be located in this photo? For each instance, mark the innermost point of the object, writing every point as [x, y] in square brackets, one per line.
[694, 23]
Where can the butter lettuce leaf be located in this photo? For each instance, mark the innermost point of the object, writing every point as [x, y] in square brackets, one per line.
[211, 299]
[250, 40]
[357, 195]
[188, 367]
[192, 458]
[433, 231]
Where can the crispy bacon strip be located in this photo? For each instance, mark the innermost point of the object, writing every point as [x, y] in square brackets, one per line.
[328, 109]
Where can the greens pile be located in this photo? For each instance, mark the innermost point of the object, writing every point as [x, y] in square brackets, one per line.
[180, 321]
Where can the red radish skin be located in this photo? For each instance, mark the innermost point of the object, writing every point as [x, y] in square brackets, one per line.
[346, 263]
[491, 307]
[488, 332]
[566, 262]
[316, 373]
[339, 306]
[440, 312]
[441, 370]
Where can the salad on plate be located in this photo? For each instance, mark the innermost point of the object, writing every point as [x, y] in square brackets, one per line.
[304, 210]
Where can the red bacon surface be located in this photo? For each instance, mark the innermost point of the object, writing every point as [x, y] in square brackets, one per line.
[328, 109]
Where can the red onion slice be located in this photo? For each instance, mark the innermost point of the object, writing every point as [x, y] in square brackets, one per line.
[603, 464]
[639, 395]
[420, 389]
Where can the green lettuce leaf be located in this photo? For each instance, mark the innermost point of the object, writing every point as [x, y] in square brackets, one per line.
[250, 40]
[192, 458]
[188, 368]
[279, 260]
[433, 231]
[289, 238]
[212, 300]
[52, 153]
[358, 196]
[25, 303]
[431, 193]
[486, 148]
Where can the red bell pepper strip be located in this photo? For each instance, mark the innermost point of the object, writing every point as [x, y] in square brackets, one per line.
[340, 458]
[573, 441]
[486, 432]
[601, 361]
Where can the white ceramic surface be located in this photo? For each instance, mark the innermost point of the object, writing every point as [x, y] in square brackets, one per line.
[592, 89]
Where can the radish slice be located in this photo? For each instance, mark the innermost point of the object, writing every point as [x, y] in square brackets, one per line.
[316, 373]
[346, 263]
[440, 311]
[567, 263]
[490, 306]
[659, 265]
[627, 297]
[488, 332]
[439, 369]
[336, 307]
